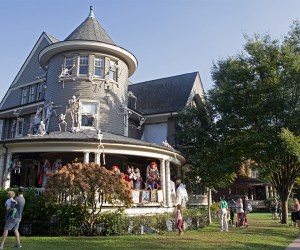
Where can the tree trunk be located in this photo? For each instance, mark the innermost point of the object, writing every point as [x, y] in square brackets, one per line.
[208, 203]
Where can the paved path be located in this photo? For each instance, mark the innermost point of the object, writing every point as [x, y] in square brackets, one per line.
[295, 245]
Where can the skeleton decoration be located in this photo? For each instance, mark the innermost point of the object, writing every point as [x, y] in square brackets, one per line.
[74, 110]
[64, 73]
[57, 165]
[130, 94]
[16, 113]
[41, 130]
[17, 165]
[152, 176]
[100, 145]
[35, 121]
[62, 118]
[107, 97]
[141, 122]
[166, 144]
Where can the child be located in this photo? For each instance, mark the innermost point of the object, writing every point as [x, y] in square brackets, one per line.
[9, 204]
[179, 218]
[231, 217]
[228, 217]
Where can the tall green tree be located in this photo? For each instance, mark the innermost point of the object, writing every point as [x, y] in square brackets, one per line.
[256, 94]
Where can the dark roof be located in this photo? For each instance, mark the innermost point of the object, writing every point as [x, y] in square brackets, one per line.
[90, 30]
[87, 136]
[162, 95]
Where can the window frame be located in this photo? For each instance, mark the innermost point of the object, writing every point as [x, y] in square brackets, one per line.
[17, 127]
[69, 66]
[38, 91]
[114, 70]
[81, 113]
[25, 97]
[83, 65]
[96, 66]
[32, 93]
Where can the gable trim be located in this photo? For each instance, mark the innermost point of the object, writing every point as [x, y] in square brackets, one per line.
[43, 35]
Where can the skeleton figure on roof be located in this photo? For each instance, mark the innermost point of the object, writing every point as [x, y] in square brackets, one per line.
[152, 176]
[129, 176]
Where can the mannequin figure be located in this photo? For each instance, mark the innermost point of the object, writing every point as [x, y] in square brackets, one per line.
[43, 177]
[115, 170]
[152, 176]
[57, 165]
[129, 176]
[137, 180]
[182, 196]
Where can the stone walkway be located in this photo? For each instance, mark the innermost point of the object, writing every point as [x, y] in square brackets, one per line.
[295, 245]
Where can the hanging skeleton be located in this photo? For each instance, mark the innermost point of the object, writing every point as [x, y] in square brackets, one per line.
[41, 130]
[141, 122]
[64, 73]
[49, 109]
[130, 94]
[100, 145]
[74, 110]
[35, 121]
[16, 113]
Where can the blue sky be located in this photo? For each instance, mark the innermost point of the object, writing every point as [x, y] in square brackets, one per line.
[168, 37]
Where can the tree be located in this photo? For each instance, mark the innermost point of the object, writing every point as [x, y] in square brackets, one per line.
[90, 185]
[199, 139]
[256, 94]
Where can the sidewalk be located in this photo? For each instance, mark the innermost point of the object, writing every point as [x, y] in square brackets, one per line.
[295, 245]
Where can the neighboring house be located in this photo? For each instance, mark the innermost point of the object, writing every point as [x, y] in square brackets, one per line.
[80, 86]
[247, 183]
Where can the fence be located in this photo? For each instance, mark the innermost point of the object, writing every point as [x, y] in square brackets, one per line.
[113, 225]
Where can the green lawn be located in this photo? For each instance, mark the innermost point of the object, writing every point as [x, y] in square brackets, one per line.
[262, 233]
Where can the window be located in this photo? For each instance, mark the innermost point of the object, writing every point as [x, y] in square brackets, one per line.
[88, 109]
[32, 93]
[254, 174]
[19, 130]
[1, 127]
[40, 92]
[99, 67]
[69, 64]
[112, 71]
[83, 65]
[24, 96]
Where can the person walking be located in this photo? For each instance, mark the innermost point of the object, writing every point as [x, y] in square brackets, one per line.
[223, 214]
[13, 223]
[179, 218]
[275, 207]
[296, 212]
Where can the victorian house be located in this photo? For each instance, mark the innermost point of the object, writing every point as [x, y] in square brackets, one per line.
[72, 101]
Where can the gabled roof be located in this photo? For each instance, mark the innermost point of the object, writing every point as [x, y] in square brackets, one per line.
[162, 95]
[90, 30]
[53, 39]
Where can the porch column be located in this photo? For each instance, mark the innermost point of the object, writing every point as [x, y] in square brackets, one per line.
[254, 193]
[1, 168]
[168, 187]
[97, 158]
[267, 192]
[163, 179]
[7, 180]
[271, 191]
[86, 157]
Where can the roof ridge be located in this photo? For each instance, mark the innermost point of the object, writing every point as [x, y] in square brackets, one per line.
[165, 78]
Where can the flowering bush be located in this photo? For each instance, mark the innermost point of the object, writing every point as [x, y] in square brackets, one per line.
[89, 185]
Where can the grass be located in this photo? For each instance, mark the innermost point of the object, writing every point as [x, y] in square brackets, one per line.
[262, 233]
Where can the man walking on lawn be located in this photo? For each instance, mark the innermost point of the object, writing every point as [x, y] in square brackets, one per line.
[13, 223]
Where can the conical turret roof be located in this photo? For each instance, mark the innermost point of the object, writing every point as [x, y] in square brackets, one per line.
[90, 30]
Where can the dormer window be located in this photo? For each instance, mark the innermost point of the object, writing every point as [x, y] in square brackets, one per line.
[83, 65]
[99, 67]
[24, 96]
[32, 93]
[69, 64]
[112, 71]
